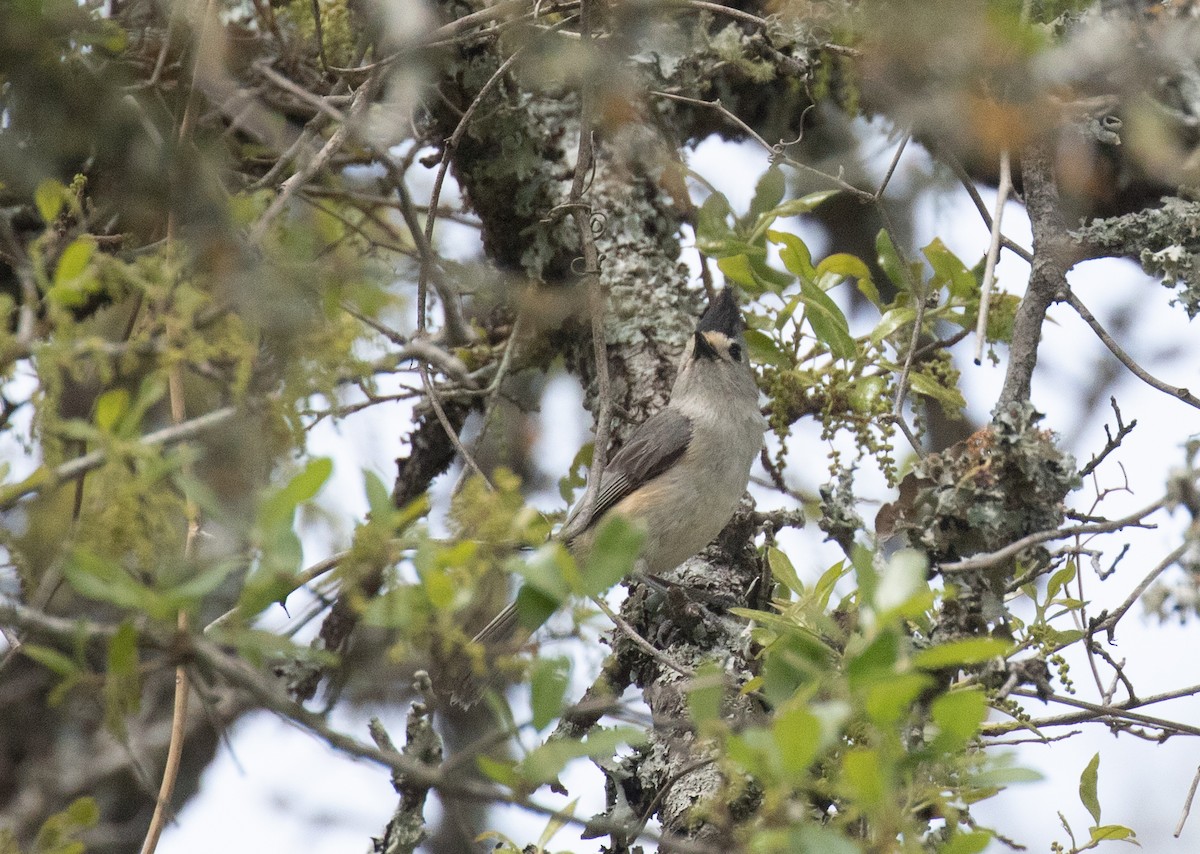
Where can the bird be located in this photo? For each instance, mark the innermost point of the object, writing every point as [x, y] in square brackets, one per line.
[683, 470]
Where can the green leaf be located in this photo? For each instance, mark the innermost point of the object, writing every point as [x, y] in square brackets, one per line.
[828, 580]
[1059, 580]
[704, 694]
[1111, 831]
[893, 319]
[379, 498]
[876, 662]
[712, 224]
[797, 733]
[737, 269]
[784, 572]
[889, 701]
[827, 321]
[850, 266]
[50, 196]
[499, 771]
[967, 843]
[865, 777]
[958, 716]
[959, 652]
[103, 580]
[280, 507]
[903, 584]
[764, 351]
[804, 204]
[794, 254]
[768, 193]
[1088, 781]
[110, 406]
[199, 585]
[547, 684]
[889, 260]
[949, 396]
[73, 261]
[51, 659]
[545, 762]
[613, 554]
[949, 270]
[123, 686]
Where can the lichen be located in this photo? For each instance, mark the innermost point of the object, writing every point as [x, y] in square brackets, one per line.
[1165, 240]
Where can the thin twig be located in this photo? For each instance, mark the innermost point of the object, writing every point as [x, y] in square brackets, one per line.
[983, 561]
[775, 150]
[993, 253]
[43, 479]
[969, 185]
[358, 107]
[1124, 358]
[170, 774]
[1187, 804]
[639, 641]
[307, 576]
[1109, 622]
[887, 178]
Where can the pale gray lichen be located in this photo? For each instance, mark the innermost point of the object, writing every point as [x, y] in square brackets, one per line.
[1165, 240]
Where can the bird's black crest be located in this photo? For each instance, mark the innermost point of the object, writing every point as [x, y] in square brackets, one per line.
[722, 315]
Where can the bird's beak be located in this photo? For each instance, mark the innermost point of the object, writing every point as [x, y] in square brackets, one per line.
[704, 350]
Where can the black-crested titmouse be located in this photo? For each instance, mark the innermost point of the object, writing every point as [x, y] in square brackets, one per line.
[683, 470]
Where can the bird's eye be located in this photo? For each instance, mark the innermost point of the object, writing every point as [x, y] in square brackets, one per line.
[735, 352]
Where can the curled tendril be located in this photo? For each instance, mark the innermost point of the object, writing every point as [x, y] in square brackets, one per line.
[598, 222]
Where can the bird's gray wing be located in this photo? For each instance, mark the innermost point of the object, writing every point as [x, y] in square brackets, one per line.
[652, 449]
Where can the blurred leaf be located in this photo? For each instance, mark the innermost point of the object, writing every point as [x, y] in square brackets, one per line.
[1088, 782]
[51, 659]
[546, 762]
[613, 554]
[888, 701]
[122, 685]
[865, 777]
[959, 652]
[548, 682]
[499, 771]
[827, 321]
[110, 406]
[889, 260]
[764, 350]
[50, 196]
[967, 843]
[556, 823]
[704, 694]
[903, 583]
[103, 580]
[712, 223]
[280, 506]
[784, 572]
[949, 270]
[379, 498]
[768, 193]
[958, 716]
[74, 260]
[797, 733]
